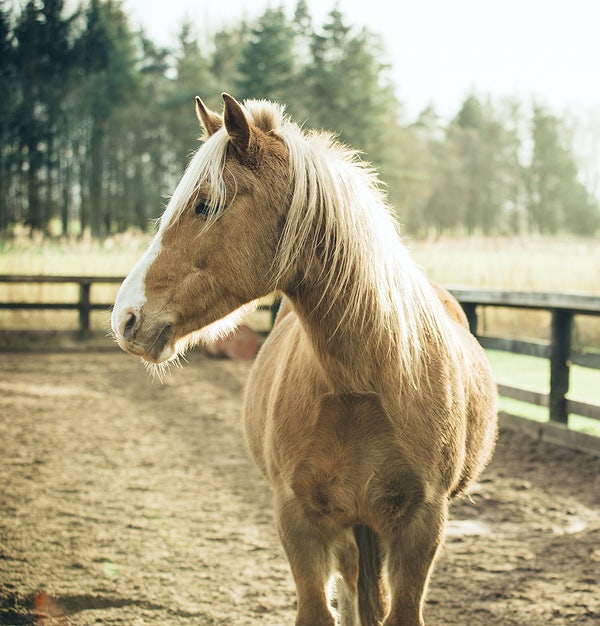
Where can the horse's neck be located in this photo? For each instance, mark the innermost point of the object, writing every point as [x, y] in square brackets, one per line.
[359, 297]
[349, 346]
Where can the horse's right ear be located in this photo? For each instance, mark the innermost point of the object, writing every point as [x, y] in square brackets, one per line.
[237, 125]
[209, 120]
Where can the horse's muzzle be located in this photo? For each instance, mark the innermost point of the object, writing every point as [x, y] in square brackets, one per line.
[152, 343]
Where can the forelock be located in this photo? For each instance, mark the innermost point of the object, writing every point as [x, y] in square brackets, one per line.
[208, 163]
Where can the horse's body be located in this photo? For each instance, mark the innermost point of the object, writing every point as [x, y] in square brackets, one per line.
[370, 404]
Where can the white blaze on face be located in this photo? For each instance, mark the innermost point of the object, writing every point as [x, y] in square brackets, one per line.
[131, 295]
[205, 167]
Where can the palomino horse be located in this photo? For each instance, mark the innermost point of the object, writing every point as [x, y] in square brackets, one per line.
[370, 405]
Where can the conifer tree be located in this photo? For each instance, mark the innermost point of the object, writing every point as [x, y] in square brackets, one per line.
[556, 198]
[266, 64]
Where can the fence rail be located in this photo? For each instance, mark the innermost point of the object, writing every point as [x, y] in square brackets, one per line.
[83, 304]
[562, 307]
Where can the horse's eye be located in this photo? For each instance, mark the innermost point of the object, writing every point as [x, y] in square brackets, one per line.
[202, 208]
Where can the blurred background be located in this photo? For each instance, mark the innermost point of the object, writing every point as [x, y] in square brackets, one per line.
[495, 131]
[483, 120]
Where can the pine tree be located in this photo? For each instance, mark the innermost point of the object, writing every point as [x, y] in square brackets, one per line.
[490, 165]
[266, 64]
[150, 161]
[8, 87]
[193, 77]
[29, 61]
[557, 199]
[228, 45]
[97, 122]
[107, 55]
[346, 87]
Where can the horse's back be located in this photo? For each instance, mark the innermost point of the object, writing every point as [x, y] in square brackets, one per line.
[480, 393]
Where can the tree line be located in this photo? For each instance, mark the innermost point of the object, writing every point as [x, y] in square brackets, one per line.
[97, 123]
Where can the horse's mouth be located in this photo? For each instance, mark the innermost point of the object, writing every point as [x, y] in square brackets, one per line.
[161, 343]
[154, 349]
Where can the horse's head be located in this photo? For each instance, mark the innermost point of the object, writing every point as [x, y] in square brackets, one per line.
[214, 250]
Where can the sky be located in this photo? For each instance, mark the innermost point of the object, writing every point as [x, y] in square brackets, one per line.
[440, 51]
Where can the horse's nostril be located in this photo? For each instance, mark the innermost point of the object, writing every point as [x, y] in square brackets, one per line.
[128, 328]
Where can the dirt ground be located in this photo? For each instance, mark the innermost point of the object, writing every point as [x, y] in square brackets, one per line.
[127, 501]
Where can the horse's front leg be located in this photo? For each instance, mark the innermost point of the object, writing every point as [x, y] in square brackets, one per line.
[309, 552]
[411, 548]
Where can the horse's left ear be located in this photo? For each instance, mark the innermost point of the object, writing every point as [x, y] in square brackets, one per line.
[237, 125]
[209, 120]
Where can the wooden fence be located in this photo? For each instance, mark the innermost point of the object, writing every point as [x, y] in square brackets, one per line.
[562, 307]
[84, 304]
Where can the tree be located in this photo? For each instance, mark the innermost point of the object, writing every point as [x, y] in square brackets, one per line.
[43, 62]
[557, 200]
[346, 90]
[302, 26]
[8, 85]
[468, 133]
[489, 151]
[448, 189]
[108, 57]
[193, 77]
[28, 60]
[266, 67]
[224, 64]
[148, 154]
[96, 123]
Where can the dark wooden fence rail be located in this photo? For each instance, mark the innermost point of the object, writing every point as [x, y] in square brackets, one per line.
[562, 307]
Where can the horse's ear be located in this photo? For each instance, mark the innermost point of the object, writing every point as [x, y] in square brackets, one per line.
[237, 125]
[209, 120]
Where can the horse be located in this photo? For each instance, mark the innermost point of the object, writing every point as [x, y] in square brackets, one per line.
[370, 405]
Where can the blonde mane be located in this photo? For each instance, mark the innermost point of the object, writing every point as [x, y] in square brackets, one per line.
[362, 255]
[205, 167]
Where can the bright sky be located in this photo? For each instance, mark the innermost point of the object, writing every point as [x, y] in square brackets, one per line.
[442, 50]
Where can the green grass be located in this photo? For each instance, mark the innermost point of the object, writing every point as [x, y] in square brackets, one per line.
[533, 373]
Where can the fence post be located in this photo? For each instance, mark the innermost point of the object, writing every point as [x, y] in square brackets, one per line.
[470, 309]
[274, 308]
[84, 309]
[560, 349]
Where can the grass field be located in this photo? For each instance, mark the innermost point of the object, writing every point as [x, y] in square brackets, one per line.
[533, 374]
[555, 265]
[522, 264]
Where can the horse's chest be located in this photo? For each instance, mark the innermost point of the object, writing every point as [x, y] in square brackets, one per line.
[352, 468]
